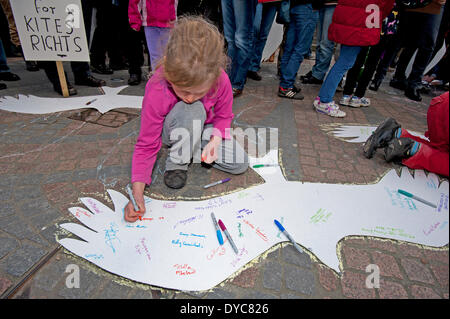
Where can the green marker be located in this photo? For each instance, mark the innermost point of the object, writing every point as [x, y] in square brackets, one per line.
[265, 165]
[416, 198]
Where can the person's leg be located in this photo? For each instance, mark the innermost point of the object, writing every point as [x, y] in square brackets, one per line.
[157, 39]
[427, 38]
[100, 38]
[229, 30]
[3, 61]
[325, 47]
[353, 73]
[369, 67]
[300, 35]
[346, 60]
[232, 157]
[244, 13]
[268, 13]
[182, 131]
[416, 153]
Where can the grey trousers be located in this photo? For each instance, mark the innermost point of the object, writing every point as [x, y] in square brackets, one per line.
[186, 134]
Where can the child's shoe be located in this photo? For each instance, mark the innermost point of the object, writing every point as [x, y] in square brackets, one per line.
[380, 137]
[330, 108]
[175, 179]
[345, 100]
[358, 102]
[400, 148]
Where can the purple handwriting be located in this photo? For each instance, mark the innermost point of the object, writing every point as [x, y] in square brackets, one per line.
[443, 202]
[431, 228]
[141, 248]
[241, 253]
[188, 220]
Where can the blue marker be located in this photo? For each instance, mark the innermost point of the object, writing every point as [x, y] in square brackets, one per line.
[219, 234]
[281, 228]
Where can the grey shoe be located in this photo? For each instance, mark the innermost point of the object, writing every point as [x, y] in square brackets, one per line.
[380, 137]
[398, 149]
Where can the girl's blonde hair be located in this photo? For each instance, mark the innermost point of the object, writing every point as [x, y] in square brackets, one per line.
[195, 53]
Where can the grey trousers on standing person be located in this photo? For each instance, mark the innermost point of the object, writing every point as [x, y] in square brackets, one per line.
[186, 134]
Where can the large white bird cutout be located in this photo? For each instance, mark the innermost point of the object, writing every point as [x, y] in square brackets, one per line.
[175, 244]
[43, 105]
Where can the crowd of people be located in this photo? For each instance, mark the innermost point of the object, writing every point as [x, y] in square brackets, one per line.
[367, 45]
[201, 54]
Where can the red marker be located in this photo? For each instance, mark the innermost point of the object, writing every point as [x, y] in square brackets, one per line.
[224, 229]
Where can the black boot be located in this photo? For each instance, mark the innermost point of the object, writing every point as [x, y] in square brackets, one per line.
[398, 149]
[413, 93]
[375, 84]
[398, 84]
[380, 137]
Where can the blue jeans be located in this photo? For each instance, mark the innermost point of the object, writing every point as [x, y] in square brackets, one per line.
[238, 18]
[265, 14]
[298, 41]
[325, 47]
[347, 58]
[3, 62]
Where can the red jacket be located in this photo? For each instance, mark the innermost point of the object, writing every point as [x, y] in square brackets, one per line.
[152, 13]
[357, 23]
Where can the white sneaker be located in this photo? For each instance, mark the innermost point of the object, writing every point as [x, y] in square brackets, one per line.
[358, 102]
[330, 108]
[345, 100]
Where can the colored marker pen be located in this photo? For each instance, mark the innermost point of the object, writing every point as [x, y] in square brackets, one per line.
[265, 165]
[219, 234]
[401, 191]
[217, 183]
[224, 229]
[133, 201]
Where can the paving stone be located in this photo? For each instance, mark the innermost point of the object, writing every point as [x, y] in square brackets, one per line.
[5, 283]
[299, 280]
[89, 282]
[441, 274]
[391, 290]
[22, 260]
[247, 278]
[354, 286]
[51, 274]
[113, 290]
[20, 229]
[292, 256]
[220, 293]
[327, 278]
[356, 258]
[259, 295]
[387, 264]
[417, 271]
[421, 292]
[272, 275]
[7, 245]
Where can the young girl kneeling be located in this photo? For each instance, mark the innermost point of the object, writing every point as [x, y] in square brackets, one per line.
[188, 106]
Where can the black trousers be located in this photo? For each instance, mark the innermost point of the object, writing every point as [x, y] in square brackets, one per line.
[370, 58]
[418, 31]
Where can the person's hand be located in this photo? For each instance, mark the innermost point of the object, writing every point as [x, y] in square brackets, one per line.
[210, 152]
[138, 192]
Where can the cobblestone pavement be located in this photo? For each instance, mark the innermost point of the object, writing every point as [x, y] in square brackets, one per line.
[48, 161]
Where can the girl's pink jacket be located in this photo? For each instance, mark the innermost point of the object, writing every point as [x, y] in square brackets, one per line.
[159, 99]
[152, 13]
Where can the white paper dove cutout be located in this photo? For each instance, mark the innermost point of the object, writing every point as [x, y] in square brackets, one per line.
[175, 245]
[358, 133]
[43, 105]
